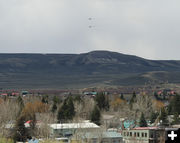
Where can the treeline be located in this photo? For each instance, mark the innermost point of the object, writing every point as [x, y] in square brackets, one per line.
[53, 110]
[67, 111]
[142, 107]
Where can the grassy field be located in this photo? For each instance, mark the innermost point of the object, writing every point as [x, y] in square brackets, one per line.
[57, 81]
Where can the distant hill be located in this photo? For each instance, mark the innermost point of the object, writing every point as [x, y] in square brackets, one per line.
[96, 68]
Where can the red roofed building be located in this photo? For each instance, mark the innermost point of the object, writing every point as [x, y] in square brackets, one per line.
[14, 93]
[27, 124]
[159, 92]
[4, 94]
[172, 92]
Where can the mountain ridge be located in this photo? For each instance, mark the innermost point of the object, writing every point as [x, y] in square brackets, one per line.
[86, 69]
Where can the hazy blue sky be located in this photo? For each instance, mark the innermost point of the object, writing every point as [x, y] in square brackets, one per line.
[146, 28]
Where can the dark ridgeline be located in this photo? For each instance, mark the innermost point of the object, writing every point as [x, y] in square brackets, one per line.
[81, 70]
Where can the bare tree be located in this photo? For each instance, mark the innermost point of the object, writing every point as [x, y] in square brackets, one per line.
[83, 109]
[43, 128]
[9, 111]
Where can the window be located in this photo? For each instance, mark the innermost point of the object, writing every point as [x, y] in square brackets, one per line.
[94, 141]
[145, 134]
[124, 133]
[115, 141]
[127, 133]
[138, 134]
[104, 141]
[130, 134]
[135, 134]
[152, 136]
[142, 134]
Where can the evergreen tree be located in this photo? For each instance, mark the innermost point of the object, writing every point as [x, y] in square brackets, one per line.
[134, 94]
[102, 101]
[54, 108]
[60, 115]
[175, 104]
[20, 102]
[122, 96]
[169, 109]
[163, 117]
[56, 100]
[106, 104]
[62, 112]
[142, 122]
[132, 100]
[153, 117]
[67, 111]
[20, 131]
[45, 99]
[176, 119]
[156, 95]
[78, 98]
[96, 115]
[70, 109]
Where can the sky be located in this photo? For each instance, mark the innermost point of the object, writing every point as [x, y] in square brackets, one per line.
[146, 28]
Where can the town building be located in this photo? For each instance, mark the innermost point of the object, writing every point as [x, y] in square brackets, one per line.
[144, 135]
[98, 137]
[69, 129]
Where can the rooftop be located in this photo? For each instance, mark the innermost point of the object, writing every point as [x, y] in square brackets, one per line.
[74, 125]
[103, 134]
[145, 128]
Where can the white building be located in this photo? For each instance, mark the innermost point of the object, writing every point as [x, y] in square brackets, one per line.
[68, 129]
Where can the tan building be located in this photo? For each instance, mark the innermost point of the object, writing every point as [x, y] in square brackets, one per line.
[144, 135]
[98, 137]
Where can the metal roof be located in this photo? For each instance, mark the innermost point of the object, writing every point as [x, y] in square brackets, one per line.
[74, 126]
[33, 141]
[145, 128]
[103, 135]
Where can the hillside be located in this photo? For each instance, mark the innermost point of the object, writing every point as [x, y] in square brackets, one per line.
[81, 70]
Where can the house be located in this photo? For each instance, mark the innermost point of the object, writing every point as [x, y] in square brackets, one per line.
[24, 93]
[129, 124]
[28, 123]
[33, 141]
[68, 129]
[93, 93]
[107, 119]
[62, 140]
[97, 137]
[15, 94]
[165, 94]
[144, 135]
[4, 94]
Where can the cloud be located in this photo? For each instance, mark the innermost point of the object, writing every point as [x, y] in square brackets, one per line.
[144, 28]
